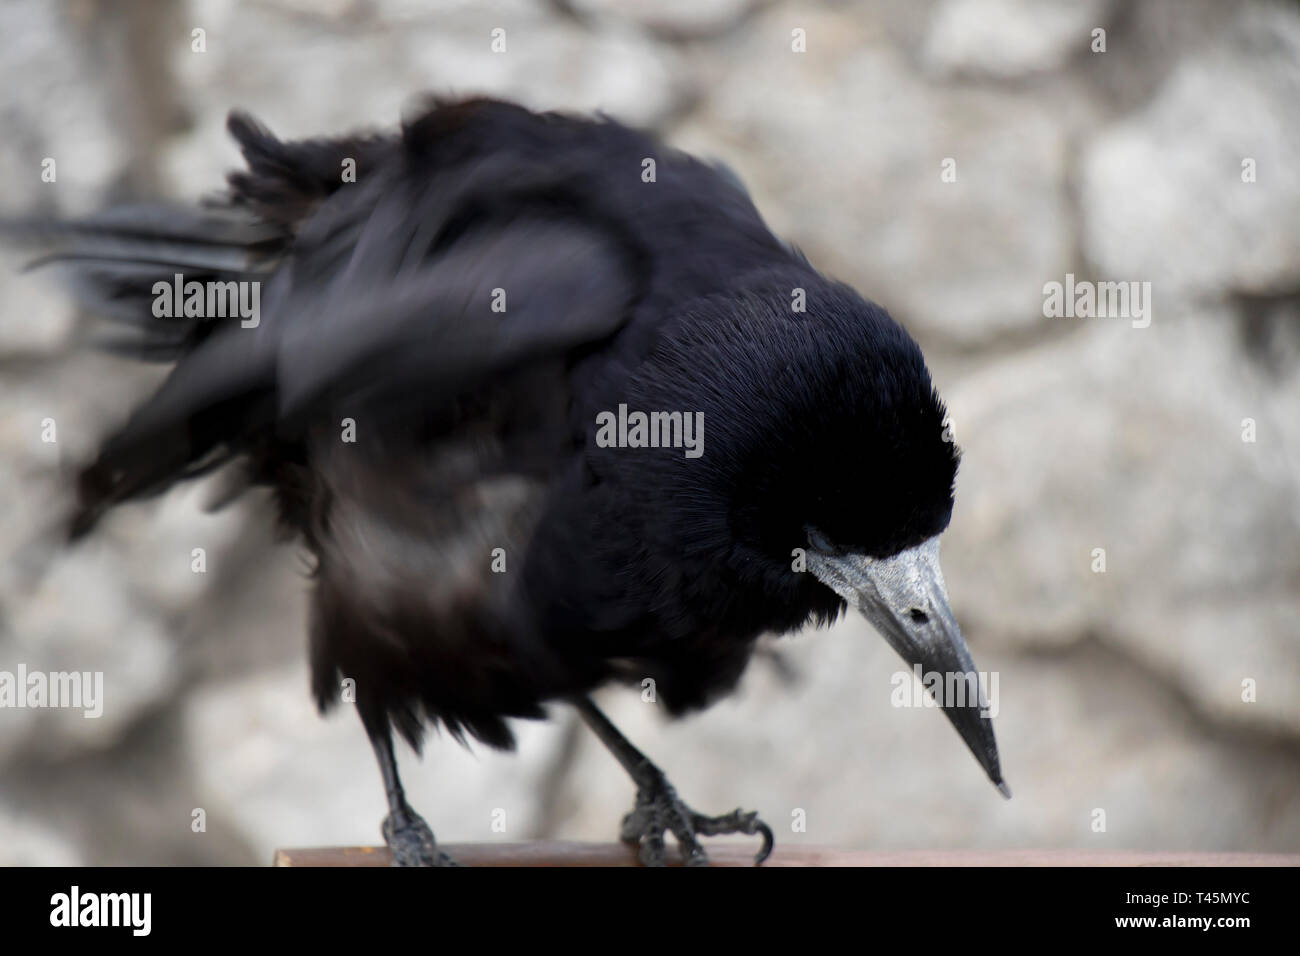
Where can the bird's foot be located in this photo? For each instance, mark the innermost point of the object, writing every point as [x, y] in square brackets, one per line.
[659, 810]
[412, 841]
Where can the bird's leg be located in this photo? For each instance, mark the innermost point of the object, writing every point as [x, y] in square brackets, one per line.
[659, 810]
[405, 831]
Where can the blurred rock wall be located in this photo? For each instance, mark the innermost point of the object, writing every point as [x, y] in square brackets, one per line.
[949, 158]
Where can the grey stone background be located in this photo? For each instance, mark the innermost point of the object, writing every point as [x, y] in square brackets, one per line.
[1119, 691]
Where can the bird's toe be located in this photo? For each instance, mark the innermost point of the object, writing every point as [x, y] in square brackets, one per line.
[659, 811]
[412, 842]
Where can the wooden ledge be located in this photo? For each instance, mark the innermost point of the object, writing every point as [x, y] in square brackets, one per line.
[742, 854]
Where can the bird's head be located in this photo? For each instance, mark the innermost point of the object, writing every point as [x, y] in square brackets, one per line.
[829, 459]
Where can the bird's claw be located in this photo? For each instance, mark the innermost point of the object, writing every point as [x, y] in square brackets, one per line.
[659, 810]
[412, 841]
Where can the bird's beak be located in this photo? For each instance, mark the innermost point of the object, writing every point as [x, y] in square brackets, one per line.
[904, 597]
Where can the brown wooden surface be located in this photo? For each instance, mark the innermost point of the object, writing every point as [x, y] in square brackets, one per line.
[742, 854]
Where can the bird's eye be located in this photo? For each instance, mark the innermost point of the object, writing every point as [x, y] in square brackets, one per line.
[918, 616]
[820, 542]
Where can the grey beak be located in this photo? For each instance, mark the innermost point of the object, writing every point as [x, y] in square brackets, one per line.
[905, 598]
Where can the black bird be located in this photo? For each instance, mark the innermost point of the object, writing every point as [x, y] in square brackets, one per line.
[449, 319]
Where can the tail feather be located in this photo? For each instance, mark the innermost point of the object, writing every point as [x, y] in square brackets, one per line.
[219, 400]
[126, 293]
[113, 263]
